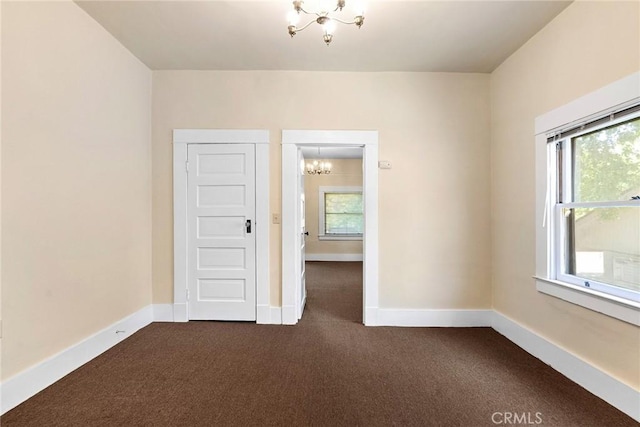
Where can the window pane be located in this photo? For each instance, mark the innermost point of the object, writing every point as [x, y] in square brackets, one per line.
[343, 213]
[343, 223]
[343, 203]
[605, 245]
[607, 163]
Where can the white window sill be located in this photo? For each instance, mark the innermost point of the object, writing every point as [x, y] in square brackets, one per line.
[336, 237]
[625, 310]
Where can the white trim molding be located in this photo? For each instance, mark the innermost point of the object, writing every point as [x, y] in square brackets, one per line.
[333, 257]
[22, 386]
[181, 139]
[625, 310]
[162, 312]
[220, 136]
[292, 141]
[289, 316]
[597, 382]
[269, 315]
[613, 97]
[433, 318]
[275, 315]
[344, 238]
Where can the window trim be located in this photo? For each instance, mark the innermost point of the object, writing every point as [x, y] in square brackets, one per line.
[614, 97]
[321, 212]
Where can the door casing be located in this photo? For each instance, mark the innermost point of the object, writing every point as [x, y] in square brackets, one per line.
[181, 139]
[292, 140]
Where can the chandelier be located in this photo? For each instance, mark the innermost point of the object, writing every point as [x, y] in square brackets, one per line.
[318, 168]
[323, 17]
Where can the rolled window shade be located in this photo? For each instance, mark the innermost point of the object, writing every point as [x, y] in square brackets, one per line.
[594, 123]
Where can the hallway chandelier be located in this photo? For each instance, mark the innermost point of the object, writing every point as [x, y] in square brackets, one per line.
[324, 17]
[318, 168]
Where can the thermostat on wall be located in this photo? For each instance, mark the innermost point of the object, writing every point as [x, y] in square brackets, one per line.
[384, 164]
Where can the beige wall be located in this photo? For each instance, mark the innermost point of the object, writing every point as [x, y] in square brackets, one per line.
[75, 181]
[434, 203]
[345, 172]
[587, 46]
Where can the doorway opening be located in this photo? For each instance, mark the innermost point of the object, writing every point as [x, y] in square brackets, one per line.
[333, 224]
[334, 292]
[294, 221]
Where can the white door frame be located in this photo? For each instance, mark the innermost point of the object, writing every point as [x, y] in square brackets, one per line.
[181, 139]
[292, 140]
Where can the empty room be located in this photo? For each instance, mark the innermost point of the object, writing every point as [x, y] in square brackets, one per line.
[330, 213]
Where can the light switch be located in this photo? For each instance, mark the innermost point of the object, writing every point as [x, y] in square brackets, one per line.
[276, 218]
[384, 164]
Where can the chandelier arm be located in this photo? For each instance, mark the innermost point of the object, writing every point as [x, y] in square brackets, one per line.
[343, 22]
[305, 26]
[318, 14]
[310, 13]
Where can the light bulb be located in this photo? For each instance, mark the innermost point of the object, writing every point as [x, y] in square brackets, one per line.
[293, 17]
[329, 26]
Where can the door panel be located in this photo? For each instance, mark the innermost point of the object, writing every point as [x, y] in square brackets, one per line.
[221, 258]
[222, 247]
[221, 227]
[221, 289]
[209, 196]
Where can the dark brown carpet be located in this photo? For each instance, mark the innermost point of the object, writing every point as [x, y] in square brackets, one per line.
[329, 370]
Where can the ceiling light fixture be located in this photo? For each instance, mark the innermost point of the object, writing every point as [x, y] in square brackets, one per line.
[323, 17]
[318, 168]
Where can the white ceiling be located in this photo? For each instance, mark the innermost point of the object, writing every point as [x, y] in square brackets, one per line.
[445, 36]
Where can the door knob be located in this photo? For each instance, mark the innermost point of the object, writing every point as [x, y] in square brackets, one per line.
[248, 225]
[306, 233]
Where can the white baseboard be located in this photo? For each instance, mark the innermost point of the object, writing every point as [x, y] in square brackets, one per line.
[432, 318]
[370, 316]
[162, 312]
[609, 389]
[289, 315]
[276, 315]
[333, 257]
[268, 315]
[263, 314]
[22, 386]
[180, 312]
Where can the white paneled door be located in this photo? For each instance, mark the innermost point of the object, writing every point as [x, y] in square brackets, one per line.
[303, 235]
[221, 232]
